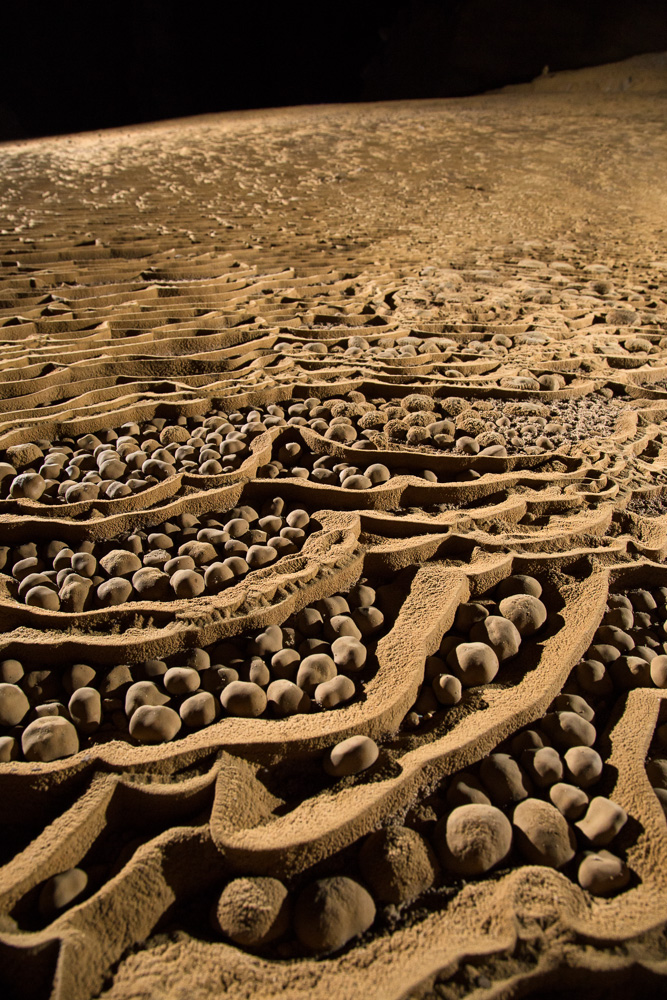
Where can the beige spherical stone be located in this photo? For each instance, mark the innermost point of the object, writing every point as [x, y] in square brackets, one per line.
[84, 563]
[658, 671]
[609, 635]
[6, 470]
[527, 613]
[266, 643]
[368, 620]
[120, 562]
[542, 834]
[11, 671]
[467, 614]
[13, 705]
[24, 454]
[43, 597]
[34, 580]
[76, 676]
[202, 552]
[82, 492]
[466, 789]
[603, 820]
[217, 576]
[630, 672]
[621, 617]
[568, 729]
[340, 625]
[284, 664]
[187, 583]
[113, 592]
[181, 680]
[27, 486]
[314, 670]
[398, 864]
[199, 710]
[60, 891]
[642, 600]
[260, 555]
[173, 433]
[584, 766]
[298, 518]
[571, 801]
[473, 839]
[602, 873]
[331, 912]
[594, 678]
[334, 692]
[253, 911]
[243, 698]
[351, 756]
[447, 689]
[518, 583]
[357, 482]
[85, 709]
[9, 749]
[151, 584]
[49, 738]
[309, 622]
[349, 654]
[329, 607]
[504, 780]
[24, 567]
[73, 594]
[116, 682]
[543, 766]
[154, 724]
[573, 703]
[377, 473]
[529, 739]
[286, 698]
[257, 672]
[500, 634]
[143, 693]
[474, 663]
[603, 652]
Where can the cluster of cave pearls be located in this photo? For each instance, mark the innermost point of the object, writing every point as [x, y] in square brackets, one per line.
[333, 595]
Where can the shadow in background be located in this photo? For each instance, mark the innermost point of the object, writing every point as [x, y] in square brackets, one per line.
[73, 66]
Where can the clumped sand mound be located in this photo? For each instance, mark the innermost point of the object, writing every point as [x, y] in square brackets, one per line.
[645, 74]
[333, 526]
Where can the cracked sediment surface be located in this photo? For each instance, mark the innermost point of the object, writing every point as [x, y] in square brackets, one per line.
[333, 527]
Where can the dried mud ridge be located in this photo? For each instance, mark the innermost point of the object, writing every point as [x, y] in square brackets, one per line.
[333, 527]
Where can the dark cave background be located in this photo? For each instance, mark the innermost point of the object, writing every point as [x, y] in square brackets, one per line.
[71, 65]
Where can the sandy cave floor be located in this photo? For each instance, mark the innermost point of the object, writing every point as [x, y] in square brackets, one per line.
[333, 526]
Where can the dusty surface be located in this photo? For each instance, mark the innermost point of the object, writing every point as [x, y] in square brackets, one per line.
[474, 290]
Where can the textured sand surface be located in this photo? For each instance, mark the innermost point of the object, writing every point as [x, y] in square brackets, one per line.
[333, 527]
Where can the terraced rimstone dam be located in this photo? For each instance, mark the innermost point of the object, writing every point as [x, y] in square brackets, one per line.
[333, 540]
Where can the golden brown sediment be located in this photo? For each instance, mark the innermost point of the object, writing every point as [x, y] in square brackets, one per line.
[489, 269]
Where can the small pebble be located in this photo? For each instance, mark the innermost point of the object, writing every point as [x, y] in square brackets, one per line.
[542, 834]
[154, 724]
[602, 873]
[352, 756]
[473, 839]
[602, 821]
[331, 912]
[253, 911]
